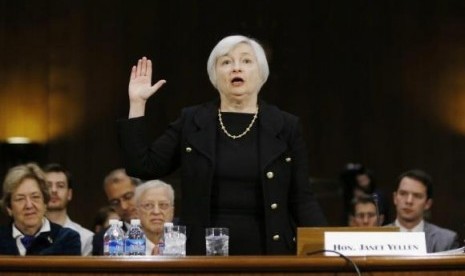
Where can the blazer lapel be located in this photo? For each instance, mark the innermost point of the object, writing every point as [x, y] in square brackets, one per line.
[204, 139]
[270, 124]
[429, 236]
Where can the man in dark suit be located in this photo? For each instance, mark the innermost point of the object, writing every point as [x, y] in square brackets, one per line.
[412, 199]
[120, 189]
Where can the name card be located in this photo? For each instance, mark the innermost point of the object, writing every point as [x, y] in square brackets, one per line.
[375, 243]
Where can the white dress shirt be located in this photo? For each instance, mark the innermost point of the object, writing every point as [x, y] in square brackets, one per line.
[86, 236]
[420, 227]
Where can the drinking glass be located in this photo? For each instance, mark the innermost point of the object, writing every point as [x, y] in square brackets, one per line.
[217, 241]
[175, 240]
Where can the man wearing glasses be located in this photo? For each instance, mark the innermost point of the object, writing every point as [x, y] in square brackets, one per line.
[120, 190]
[364, 212]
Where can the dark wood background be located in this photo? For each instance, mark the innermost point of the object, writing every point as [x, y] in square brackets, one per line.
[377, 82]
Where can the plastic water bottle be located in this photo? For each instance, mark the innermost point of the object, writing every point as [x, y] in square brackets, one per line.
[113, 240]
[135, 242]
[161, 243]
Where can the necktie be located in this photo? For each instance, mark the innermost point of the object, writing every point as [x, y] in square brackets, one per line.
[155, 250]
[27, 241]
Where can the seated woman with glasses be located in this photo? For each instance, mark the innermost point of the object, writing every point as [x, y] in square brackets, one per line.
[25, 197]
[155, 206]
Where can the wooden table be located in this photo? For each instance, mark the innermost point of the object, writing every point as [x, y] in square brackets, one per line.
[233, 265]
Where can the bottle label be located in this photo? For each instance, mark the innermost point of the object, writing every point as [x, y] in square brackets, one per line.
[115, 247]
[135, 246]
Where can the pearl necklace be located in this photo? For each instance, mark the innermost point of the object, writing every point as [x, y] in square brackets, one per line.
[243, 133]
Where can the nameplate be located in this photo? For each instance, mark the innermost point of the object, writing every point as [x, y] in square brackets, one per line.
[375, 243]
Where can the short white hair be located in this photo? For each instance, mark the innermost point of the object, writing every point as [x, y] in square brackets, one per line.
[153, 184]
[226, 45]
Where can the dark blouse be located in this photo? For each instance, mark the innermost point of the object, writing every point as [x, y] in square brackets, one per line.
[237, 197]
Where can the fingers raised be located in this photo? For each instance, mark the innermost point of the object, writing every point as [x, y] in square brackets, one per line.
[142, 68]
[133, 72]
[148, 68]
[159, 84]
[138, 67]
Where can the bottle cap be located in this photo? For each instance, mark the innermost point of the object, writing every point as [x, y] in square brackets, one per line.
[113, 222]
[168, 224]
[135, 221]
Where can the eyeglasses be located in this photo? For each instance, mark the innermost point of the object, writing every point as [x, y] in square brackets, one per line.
[22, 199]
[115, 203]
[149, 206]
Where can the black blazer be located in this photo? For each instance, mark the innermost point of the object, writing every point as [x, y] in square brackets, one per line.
[58, 241]
[97, 243]
[189, 144]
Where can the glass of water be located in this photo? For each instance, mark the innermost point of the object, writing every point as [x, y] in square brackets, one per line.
[175, 240]
[217, 241]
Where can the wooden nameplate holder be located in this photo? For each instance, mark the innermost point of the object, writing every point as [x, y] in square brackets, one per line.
[311, 239]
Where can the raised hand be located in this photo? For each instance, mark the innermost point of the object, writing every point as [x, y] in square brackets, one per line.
[140, 86]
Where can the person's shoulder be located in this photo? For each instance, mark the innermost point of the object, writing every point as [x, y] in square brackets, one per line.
[87, 232]
[438, 229]
[202, 107]
[5, 230]
[5, 227]
[273, 110]
[65, 231]
[82, 231]
[202, 114]
[54, 227]
[59, 230]
[389, 224]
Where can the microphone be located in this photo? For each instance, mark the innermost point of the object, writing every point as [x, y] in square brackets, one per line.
[374, 196]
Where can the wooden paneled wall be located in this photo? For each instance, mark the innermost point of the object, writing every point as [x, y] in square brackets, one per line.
[376, 82]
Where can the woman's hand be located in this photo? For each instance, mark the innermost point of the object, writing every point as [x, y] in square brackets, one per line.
[140, 87]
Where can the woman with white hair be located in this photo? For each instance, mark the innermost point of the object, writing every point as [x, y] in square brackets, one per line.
[243, 162]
